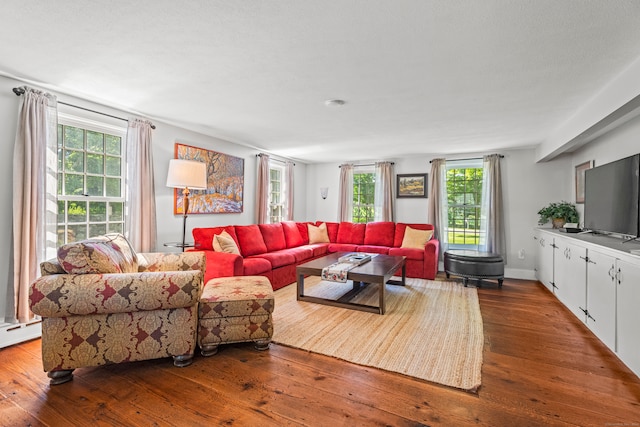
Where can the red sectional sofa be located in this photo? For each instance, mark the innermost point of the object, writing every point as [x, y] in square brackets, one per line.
[274, 250]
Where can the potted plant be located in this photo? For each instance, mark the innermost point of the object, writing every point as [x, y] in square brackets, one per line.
[559, 213]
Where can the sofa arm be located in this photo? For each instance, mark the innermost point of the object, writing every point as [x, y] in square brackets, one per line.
[431, 254]
[222, 264]
[64, 295]
[162, 261]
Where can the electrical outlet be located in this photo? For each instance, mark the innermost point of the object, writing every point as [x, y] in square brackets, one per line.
[521, 254]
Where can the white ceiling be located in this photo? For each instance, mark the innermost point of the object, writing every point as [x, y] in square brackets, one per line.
[418, 76]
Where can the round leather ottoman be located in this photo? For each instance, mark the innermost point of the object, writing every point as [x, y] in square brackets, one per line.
[470, 264]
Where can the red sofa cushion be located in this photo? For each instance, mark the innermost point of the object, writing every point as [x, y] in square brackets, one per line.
[278, 259]
[372, 249]
[342, 247]
[416, 254]
[203, 237]
[349, 232]
[273, 236]
[292, 235]
[304, 231]
[255, 266]
[397, 240]
[250, 240]
[332, 230]
[379, 233]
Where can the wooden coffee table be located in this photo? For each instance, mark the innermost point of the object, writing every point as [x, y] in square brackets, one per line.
[379, 270]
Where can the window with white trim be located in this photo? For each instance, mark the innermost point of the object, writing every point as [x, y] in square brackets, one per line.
[91, 168]
[276, 194]
[464, 199]
[364, 191]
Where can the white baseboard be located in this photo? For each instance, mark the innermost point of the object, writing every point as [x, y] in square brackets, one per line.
[518, 273]
[14, 333]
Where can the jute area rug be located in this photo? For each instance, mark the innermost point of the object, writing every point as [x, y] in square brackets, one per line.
[431, 330]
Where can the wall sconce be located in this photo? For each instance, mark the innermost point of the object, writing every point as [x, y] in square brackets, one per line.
[324, 192]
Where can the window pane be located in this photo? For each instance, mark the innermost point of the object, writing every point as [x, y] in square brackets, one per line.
[95, 185]
[60, 181]
[95, 163]
[115, 227]
[60, 158]
[113, 166]
[61, 235]
[61, 211]
[113, 145]
[98, 211]
[73, 161]
[60, 134]
[113, 187]
[95, 142]
[115, 211]
[97, 229]
[77, 212]
[73, 184]
[73, 137]
[77, 232]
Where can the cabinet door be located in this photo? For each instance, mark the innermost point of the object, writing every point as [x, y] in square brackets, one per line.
[544, 272]
[628, 280]
[601, 297]
[570, 276]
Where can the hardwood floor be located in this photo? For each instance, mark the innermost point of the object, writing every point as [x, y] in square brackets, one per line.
[541, 367]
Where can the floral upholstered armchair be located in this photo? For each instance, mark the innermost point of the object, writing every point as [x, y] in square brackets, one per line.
[102, 303]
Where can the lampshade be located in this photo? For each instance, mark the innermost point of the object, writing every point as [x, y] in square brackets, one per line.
[187, 173]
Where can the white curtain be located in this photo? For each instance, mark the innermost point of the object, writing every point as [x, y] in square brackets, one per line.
[34, 194]
[345, 201]
[140, 195]
[262, 190]
[492, 238]
[384, 194]
[289, 185]
[438, 202]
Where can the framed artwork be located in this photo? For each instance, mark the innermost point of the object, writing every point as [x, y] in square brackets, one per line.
[580, 170]
[411, 185]
[225, 182]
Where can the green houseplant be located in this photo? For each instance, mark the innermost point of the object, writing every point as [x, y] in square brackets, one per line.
[559, 213]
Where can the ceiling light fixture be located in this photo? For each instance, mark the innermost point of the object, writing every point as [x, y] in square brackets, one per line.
[334, 102]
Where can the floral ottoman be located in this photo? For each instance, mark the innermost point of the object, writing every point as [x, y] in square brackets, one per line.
[235, 309]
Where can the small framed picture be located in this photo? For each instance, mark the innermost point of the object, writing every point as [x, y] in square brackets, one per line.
[580, 170]
[411, 185]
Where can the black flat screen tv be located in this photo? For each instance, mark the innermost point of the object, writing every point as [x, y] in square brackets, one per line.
[611, 197]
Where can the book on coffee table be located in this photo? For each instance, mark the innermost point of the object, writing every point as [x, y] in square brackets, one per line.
[355, 258]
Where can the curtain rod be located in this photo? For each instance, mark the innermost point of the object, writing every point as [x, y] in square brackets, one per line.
[19, 91]
[470, 158]
[367, 164]
[275, 160]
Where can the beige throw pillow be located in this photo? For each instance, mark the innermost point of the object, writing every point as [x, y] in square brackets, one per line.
[223, 242]
[318, 234]
[415, 239]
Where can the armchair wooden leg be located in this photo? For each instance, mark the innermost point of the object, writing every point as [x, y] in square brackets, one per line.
[183, 361]
[60, 377]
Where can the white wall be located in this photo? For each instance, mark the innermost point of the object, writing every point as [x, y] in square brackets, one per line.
[164, 138]
[528, 186]
[621, 142]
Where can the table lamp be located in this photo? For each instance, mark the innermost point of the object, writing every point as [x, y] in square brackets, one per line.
[186, 174]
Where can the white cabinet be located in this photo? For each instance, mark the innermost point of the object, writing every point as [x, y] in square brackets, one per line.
[570, 276]
[628, 313]
[601, 296]
[544, 259]
[599, 283]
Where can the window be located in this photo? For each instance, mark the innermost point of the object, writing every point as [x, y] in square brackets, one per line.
[90, 181]
[464, 195]
[364, 186]
[276, 194]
